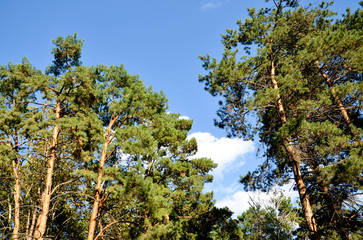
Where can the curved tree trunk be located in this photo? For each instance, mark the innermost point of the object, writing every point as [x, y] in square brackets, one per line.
[295, 159]
[96, 203]
[97, 198]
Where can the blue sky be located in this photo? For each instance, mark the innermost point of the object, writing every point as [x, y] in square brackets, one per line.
[160, 40]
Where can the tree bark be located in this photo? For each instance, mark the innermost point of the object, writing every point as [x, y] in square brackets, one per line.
[337, 99]
[16, 200]
[304, 197]
[27, 225]
[339, 102]
[30, 233]
[295, 159]
[343, 234]
[104, 229]
[98, 189]
[15, 163]
[47, 193]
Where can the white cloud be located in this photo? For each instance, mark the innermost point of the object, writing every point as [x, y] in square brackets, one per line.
[212, 4]
[229, 154]
[239, 201]
[223, 151]
[184, 117]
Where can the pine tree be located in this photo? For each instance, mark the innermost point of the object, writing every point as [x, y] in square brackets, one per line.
[275, 219]
[301, 117]
[68, 93]
[331, 139]
[16, 122]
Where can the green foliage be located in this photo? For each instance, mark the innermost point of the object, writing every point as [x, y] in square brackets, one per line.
[317, 68]
[67, 52]
[151, 188]
[276, 219]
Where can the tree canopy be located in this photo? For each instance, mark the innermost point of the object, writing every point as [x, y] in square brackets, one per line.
[90, 152]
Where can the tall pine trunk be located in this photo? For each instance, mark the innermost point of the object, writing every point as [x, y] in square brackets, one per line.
[98, 189]
[295, 159]
[15, 163]
[47, 193]
[96, 203]
[16, 200]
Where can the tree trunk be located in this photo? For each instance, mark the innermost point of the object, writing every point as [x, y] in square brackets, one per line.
[337, 99]
[93, 221]
[304, 197]
[30, 233]
[96, 203]
[295, 159]
[27, 225]
[15, 163]
[339, 102]
[46, 195]
[16, 200]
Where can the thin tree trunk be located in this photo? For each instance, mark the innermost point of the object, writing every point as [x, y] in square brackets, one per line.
[16, 200]
[337, 99]
[343, 234]
[98, 189]
[339, 102]
[296, 162]
[34, 217]
[46, 195]
[15, 163]
[10, 209]
[27, 225]
[92, 224]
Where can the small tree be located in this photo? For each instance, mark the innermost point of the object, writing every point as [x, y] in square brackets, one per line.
[275, 219]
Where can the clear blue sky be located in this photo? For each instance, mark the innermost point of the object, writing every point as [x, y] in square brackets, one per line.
[160, 40]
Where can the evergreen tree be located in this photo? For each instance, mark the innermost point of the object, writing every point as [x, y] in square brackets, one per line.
[16, 121]
[311, 130]
[275, 219]
[68, 91]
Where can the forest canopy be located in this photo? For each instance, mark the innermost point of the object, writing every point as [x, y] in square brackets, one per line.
[90, 152]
